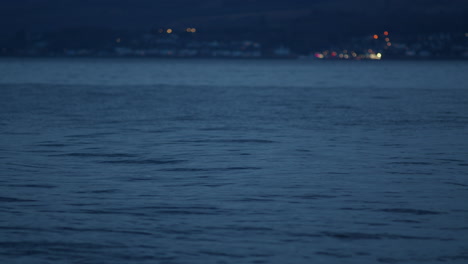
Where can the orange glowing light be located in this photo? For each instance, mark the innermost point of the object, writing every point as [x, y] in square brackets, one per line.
[194, 30]
[386, 33]
[169, 31]
[389, 44]
[376, 37]
[387, 39]
[188, 30]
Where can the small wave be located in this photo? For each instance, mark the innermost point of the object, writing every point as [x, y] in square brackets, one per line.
[303, 150]
[258, 141]
[43, 186]
[42, 151]
[371, 224]
[100, 191]
[454, 228]
[103, 155]
[355, 208]
[373, 236]
[221, 254]
[453, 258]
[450, 160]
[303, 234]
[102, 230]
[338, 173]
[20, 133]
[210, 169]
[84, 204]
[27, 245]
[249, 199]
[333, 254]
[314, 196]
[409, 173]
[110, 212]
[410, 211]
[186, 212]
[389, 260]
[384, 97]
[411, 163]
[195, 207]
[14, 200]
[28, 165]
[51, 145]
[144, 161]
[22, 228]
[217, 129]
[91, 135]
[406, 221]
[457, 184]
[248, 141]
[247, 228]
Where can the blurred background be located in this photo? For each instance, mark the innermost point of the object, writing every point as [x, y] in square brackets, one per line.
[321, 29]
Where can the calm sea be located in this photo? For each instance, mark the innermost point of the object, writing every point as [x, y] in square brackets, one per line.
[213, 161]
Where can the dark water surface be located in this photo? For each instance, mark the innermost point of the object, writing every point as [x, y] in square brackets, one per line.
[153, 161]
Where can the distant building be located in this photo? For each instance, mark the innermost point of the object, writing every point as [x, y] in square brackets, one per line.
[282, 51]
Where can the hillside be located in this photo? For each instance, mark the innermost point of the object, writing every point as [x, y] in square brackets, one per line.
[308, 22]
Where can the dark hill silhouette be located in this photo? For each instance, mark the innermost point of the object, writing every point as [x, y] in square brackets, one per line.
[308, 22]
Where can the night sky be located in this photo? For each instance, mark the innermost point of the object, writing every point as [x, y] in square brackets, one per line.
[308, 16]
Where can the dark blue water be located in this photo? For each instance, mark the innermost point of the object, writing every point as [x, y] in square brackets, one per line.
[151, 161]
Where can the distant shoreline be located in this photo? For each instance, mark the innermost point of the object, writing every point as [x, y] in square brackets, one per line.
[305, 58]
